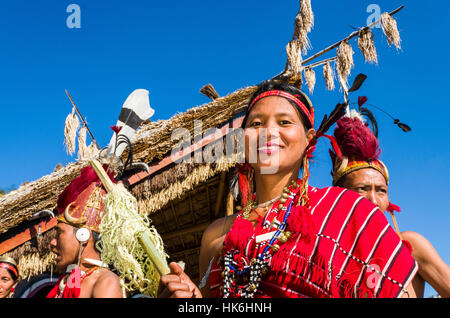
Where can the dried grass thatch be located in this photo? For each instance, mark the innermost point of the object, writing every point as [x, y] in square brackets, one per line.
[157, 192]
[294, 55]
[344, 62]
[304, 22]
[82, 148]
[367, 47]
[389, 26]
[70, 131]
[209, 91]
[328, 75]
[150, 143]
[310, 77]
[34, 257]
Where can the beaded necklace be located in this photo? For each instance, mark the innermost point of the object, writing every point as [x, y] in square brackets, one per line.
[242, 276]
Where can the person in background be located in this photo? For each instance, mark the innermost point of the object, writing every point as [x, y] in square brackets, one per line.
[80, 208]
[362, 171]
[9, 276]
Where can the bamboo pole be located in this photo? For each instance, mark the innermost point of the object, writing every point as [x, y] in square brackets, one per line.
[287, 73]
[394, 220]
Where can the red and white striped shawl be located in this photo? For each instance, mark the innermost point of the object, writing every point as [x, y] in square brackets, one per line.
[352, 252]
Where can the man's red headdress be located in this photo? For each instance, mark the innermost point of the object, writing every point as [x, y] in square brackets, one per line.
[81, 202]
[359, 147]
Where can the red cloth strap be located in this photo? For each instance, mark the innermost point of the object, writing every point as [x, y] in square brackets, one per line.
[73, 286]
[293, 98]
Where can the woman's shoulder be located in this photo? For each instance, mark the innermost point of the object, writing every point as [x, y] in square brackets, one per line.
[218, 228]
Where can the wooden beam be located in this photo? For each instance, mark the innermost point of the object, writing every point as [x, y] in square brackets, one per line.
[225, 130]
[27, 235]
[31, 232]
[220, 192]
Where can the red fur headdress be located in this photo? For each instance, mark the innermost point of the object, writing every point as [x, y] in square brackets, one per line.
[359, 146]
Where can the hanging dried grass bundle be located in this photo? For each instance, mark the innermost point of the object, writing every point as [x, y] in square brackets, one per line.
[344, 60]
[209, 91]
[367, 47]
[304, 22]
[294, 55]
[389, 26]
[328, 75]
[310, 77]
[91, 151]
[70, 131]
[82, 148]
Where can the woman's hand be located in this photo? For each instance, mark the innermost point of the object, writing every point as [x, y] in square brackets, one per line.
[177, 284]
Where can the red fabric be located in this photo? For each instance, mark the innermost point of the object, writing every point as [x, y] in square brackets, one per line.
[293, 98]
[392, 207]
[351, 247]
[73, 285]
[78, 185]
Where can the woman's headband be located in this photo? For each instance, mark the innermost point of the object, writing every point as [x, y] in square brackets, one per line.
[294, 98]
[9, 264]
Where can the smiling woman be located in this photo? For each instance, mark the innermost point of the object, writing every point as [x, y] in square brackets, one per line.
[290, 239]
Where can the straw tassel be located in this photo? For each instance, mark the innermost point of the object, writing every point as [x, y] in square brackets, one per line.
[70, 131]
[304, 22]
[310, 77]
[344, 60]
[389, 26]
[367, 47]
[82, 148]
[209, 91]
[293, 50]
[328, 75]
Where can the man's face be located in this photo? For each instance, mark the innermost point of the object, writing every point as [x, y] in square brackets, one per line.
[65, 245]
[370, 184]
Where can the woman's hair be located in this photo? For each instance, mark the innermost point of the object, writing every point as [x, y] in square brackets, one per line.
[283, 86]
[12, 263]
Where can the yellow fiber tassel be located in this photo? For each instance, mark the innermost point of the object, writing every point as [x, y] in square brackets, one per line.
[127, 241]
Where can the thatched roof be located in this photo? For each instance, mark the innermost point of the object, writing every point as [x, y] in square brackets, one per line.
[151, 143]
[181, 198]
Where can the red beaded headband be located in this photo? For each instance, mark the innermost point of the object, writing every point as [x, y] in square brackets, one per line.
[10, 267]
[293, 98]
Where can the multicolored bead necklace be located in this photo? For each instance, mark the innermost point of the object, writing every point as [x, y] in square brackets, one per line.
[241, 275]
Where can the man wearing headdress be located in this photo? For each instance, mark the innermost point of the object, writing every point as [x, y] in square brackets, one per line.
[80, 211]
[361, 170]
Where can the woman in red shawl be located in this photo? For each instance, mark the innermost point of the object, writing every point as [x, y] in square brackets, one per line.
[362, 171]
[290, 239]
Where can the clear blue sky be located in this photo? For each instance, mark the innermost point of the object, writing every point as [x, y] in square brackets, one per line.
[173, 48]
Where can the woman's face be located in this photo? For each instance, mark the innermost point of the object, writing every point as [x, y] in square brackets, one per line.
[275, 138]
[370, 184]
[6, 283]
